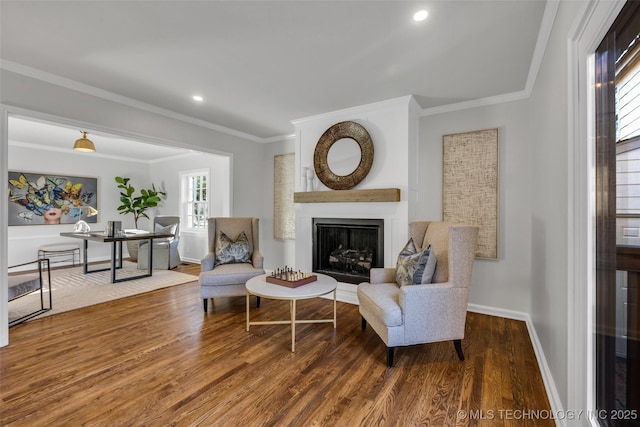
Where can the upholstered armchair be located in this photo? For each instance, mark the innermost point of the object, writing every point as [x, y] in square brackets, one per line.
[234, 257]
[423, 313]
[165, 251]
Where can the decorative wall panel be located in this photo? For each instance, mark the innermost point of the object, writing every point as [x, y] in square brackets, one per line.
[284, 224]
[470, 185]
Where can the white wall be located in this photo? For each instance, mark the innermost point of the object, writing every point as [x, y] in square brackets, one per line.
[549, 199]
[25, 240]
[504, 283]
[277, 252]
[166, 174]
[391, 124]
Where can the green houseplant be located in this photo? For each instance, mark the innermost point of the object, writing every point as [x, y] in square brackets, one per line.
[137, 206]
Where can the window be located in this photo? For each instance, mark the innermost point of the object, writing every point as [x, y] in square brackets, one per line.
[195, 199]
[627, 107]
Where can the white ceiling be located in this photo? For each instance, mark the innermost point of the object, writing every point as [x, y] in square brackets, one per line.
[261, 64]
[55, 137]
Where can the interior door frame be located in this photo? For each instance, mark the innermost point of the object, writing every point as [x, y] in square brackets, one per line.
[590, 27]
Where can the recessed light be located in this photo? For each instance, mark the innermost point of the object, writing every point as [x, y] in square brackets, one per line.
[197, 98]
[420, 15]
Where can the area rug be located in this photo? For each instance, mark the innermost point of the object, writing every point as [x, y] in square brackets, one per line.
[72, 289]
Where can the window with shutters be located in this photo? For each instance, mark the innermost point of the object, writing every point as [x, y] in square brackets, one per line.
[628, 130]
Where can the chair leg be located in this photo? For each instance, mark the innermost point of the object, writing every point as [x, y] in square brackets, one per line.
[364, 323]
[390, 356]
[258, 301]
[458, 345]
[205, 302]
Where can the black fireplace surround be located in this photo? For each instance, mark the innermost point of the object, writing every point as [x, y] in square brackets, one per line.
[346, 248]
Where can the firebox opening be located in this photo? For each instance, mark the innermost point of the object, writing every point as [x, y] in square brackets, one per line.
[347, 248]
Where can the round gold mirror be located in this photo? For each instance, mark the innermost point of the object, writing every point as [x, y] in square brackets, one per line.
[342, 166]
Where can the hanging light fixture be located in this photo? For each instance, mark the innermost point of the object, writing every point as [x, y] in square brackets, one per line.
[84, 144]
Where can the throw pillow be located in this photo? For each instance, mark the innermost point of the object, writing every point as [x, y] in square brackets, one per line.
[229, 251]
[411, 264]
[424, 272]
[169, 229]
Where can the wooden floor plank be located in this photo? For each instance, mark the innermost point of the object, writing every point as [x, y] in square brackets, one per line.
[158, 359]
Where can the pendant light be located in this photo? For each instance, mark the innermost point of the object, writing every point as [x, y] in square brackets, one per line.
[84, 144]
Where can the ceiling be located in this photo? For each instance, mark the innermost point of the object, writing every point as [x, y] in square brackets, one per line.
[55, 137]
[261, 64]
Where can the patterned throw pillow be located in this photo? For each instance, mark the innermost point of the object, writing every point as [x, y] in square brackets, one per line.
[412, 264]
[229, 251]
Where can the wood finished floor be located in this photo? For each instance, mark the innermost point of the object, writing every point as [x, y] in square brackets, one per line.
[156, 359]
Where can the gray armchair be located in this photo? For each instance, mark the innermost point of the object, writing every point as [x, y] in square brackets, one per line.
[165, 251]
[220, 278]
[424, 313]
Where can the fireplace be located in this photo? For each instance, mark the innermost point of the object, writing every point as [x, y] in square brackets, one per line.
[346, 249]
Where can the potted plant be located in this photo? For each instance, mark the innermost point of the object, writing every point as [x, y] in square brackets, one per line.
[137, 205]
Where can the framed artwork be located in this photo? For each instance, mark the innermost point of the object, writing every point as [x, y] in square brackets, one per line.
[48, 199]
[470, 185]
[284, 218]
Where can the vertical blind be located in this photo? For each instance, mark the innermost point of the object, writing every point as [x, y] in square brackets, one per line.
[628, 130]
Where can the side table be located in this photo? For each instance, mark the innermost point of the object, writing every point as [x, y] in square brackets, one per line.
[260, 287]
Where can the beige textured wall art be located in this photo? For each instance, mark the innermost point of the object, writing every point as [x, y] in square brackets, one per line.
[284, 219]
[470, 185]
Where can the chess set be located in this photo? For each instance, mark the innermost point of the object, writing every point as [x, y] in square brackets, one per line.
[290, 278]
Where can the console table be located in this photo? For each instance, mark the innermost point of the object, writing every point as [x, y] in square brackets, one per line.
[116, 250]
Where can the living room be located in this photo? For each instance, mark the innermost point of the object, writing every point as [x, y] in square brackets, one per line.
[537, 275]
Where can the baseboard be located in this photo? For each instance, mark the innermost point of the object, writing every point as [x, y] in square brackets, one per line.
[547, 377]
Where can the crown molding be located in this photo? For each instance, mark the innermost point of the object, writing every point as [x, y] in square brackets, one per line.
[474, 103]
[353, 111]
[279, 138]
[24, 70]
[546, 26]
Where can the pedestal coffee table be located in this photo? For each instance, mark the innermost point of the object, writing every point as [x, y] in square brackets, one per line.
[260, 287]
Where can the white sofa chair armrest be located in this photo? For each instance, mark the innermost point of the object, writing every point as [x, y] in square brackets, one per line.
[257, 259]
[208, 262]
[433, 312]
[382, 275]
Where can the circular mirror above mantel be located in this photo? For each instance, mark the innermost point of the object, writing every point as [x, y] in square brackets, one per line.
[352, 160]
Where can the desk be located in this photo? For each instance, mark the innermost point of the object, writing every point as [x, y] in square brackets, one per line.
[116, 250]
[260, 287]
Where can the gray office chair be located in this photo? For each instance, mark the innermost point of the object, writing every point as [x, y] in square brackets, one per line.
[165, 251]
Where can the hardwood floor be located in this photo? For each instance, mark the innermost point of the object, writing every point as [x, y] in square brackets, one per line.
[157, 359]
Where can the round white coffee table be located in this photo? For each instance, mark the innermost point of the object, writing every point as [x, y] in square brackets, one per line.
[260, 287]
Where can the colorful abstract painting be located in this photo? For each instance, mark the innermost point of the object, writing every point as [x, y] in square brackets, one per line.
[47, 199]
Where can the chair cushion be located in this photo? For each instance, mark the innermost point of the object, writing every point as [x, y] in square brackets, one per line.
[381, 299]
[23, 284]
[411, 264]
[229, 251]
[169, 229]
[229, 274]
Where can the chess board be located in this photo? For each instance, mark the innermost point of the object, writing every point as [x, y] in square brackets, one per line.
[290, 278]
